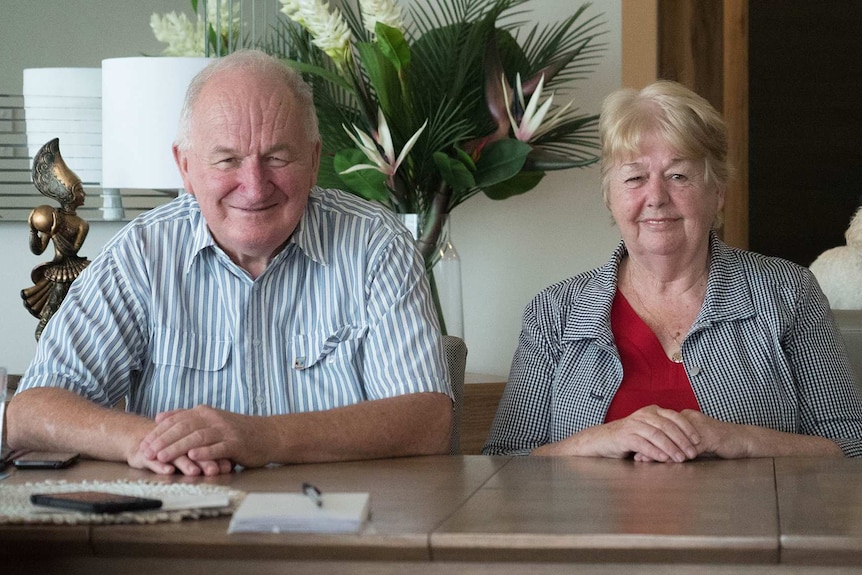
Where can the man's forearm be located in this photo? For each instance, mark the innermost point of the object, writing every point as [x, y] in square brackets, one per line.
[60, 420]
[413, 424]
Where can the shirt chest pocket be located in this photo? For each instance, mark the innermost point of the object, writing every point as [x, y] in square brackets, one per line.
[189, 350]
[337, 346]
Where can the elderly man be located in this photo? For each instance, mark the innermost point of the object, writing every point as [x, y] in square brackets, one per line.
[255, 319]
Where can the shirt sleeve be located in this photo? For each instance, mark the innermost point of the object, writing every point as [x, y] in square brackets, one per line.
[524, 413]
[830, 403]
[403, 349]
[72, 353]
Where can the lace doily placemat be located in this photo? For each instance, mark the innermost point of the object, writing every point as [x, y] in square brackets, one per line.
[15, 506]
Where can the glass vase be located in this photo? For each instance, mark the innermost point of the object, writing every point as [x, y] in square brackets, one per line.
[446, 276]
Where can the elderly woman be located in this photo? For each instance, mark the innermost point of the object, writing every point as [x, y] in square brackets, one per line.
[680, 346]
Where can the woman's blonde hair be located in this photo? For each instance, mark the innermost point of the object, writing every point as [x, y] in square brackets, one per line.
[680, 118]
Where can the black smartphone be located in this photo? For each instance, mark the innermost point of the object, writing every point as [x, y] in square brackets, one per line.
[44, 460]
[95, 501]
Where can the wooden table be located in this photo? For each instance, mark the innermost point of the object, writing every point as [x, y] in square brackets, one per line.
[410, 497]
[495, 515]
[586, 509]
[820, 507]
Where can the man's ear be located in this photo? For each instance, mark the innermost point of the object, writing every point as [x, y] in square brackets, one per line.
[181, 157]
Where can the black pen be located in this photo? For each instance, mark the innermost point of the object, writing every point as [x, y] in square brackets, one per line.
[313, 493]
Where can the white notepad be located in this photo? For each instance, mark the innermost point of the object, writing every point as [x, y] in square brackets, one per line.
[295, 512]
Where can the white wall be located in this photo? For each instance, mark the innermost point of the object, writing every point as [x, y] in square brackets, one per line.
[509, 250]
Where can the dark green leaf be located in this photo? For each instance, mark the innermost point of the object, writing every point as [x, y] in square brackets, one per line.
[328, 75]
[520, 183]
[465, 157]
[500, 161]
[213, 39]
[543, 160]
[392, 45]
[383, 77]
[575, 39]
[369, 184]
[327, 177]
[454, 172]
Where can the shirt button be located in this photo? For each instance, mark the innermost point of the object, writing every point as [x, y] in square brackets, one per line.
[694, 370]
[258, 400]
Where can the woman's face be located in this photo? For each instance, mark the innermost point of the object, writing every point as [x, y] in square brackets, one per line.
[660, 201]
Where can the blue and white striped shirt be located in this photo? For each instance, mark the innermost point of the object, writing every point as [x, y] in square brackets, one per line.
[764, 350]
[164, 318]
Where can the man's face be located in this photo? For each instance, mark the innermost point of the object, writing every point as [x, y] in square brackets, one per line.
[250, 165]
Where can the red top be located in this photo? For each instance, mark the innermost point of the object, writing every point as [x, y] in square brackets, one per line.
[649, 375]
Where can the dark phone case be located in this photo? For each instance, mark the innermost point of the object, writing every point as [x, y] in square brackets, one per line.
[44, 461]
[95, 502]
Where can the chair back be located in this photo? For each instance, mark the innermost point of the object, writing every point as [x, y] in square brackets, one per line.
[455, 351]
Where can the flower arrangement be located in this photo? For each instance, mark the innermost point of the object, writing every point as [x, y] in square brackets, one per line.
[422, 113]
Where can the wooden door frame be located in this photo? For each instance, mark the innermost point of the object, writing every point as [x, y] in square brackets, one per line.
[703, 45]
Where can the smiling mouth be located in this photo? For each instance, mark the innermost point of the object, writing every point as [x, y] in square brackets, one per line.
[659, 221]
[254, 209]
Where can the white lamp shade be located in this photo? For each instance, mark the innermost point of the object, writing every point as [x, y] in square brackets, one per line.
[60, 84]
[141, 103]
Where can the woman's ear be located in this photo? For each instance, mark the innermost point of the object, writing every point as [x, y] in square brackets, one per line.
[719, 194]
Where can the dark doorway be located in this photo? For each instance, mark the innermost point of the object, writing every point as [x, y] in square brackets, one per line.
[805, 125]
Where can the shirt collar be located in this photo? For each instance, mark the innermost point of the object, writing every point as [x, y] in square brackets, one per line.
[312, 234]
[201, 236]
[596, 299]
[728, 295]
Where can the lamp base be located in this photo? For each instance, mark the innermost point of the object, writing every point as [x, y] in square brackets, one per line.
[112, 204]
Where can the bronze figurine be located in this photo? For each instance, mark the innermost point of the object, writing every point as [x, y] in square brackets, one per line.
[51, 280]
